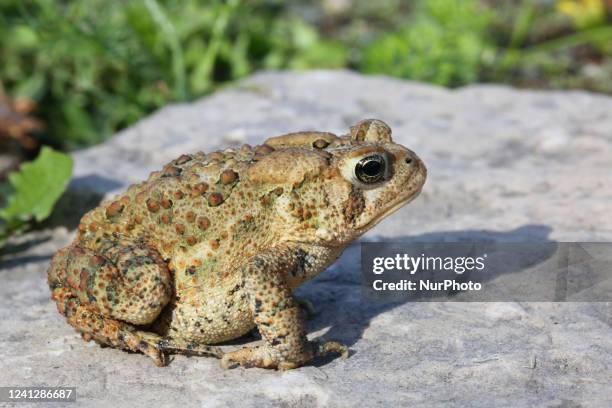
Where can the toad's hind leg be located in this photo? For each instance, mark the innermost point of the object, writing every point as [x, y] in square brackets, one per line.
[106, 294]
[107, 331]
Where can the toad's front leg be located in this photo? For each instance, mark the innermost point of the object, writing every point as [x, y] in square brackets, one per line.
[278, 317]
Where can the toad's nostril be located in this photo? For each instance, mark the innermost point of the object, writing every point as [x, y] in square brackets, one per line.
[408, 159]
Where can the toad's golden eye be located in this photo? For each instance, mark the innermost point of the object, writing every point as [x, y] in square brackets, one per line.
[371, 169]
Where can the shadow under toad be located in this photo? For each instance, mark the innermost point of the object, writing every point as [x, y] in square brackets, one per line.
[337, 292]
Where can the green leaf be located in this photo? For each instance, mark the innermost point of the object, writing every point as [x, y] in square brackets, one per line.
[37, 186]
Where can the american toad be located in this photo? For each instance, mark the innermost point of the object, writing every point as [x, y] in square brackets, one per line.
[214, 244]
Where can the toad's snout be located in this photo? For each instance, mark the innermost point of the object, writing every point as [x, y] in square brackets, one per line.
[414, 168]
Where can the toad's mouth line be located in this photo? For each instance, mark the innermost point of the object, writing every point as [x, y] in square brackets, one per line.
[402, 201]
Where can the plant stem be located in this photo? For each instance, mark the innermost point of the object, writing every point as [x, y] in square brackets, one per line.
[522, 23]
[178, 64]
[204, 68]
[520, 30]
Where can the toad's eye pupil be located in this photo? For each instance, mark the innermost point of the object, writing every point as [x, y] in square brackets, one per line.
[370, 169]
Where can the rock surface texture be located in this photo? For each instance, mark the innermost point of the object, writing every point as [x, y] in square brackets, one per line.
[504, 165]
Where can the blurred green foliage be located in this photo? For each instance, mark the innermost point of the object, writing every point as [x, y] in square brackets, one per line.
[565, 44]
[442, 43]
[96, 66]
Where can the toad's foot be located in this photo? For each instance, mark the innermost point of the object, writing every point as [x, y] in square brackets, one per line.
[323, 349]
[268, 357]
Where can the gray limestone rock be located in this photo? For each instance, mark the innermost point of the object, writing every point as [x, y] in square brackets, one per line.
[504, 165]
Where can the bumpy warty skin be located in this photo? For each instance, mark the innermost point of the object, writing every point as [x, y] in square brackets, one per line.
[213, 245]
